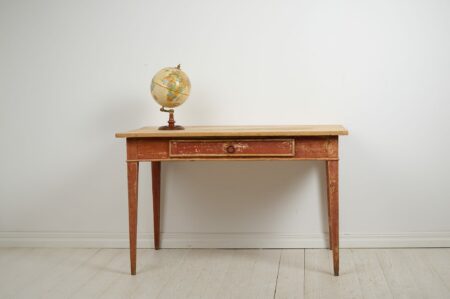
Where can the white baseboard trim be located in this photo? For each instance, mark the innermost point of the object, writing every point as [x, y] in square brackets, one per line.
[223, 240]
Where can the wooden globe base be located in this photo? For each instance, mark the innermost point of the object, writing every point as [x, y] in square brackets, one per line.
[171, 122]
[177, 127]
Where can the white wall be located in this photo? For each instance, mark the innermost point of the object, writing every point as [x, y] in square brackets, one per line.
[72, 73]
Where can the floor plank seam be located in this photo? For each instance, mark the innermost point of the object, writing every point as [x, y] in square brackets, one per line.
[64, 277]
[411, 273]
[358, 277]
[50, 268]
[179, 263]
[433, 269]
[384, 275]
[278, 273]
[304, 273]
[97, 272]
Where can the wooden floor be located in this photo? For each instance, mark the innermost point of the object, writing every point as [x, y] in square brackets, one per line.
[216, 273]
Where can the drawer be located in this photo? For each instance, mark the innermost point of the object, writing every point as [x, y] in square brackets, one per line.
[225, 148]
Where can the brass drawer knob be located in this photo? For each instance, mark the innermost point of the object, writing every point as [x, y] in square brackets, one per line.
[231, 149]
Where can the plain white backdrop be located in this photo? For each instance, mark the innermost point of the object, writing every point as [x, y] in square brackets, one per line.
[72, 73]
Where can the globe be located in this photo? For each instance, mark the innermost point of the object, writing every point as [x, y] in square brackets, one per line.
[170, 87]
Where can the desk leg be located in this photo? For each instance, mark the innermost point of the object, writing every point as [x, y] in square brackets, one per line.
[133, 172]
[333, 210]
[330, 239]
[156, 184]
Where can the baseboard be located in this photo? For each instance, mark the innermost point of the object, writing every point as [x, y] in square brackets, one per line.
[222, 240]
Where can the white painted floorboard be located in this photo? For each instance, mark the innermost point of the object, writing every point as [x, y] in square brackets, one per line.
[224, 273]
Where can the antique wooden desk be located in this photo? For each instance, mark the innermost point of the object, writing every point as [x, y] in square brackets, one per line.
[249, 143]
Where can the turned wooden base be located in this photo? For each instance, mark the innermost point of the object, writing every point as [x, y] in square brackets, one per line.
[171, 128]
[171, 122]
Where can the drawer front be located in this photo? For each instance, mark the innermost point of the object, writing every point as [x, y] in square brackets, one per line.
[226, 148]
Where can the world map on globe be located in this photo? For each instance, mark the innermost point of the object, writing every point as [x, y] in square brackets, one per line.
[170, 87]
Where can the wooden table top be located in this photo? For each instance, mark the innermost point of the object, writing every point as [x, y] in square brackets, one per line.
[238, 131]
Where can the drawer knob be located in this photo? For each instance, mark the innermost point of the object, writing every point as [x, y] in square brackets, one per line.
[231, 149]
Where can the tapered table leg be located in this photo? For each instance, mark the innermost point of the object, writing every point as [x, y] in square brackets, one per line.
[156, 185]
[330, 239]
[333, 199]
[133, 172]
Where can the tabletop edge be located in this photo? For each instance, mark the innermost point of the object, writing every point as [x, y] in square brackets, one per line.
[247, 131]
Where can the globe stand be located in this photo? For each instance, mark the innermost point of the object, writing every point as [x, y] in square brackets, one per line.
[171, 121]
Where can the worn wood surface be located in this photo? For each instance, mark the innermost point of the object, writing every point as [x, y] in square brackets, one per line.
[133, 174]
[238, 131]
[214, 273]
[273, 147]
[333, 199]
[330, 239]
[156, 186]
[164, 149]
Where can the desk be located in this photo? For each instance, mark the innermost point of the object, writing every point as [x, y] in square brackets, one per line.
[246, 143]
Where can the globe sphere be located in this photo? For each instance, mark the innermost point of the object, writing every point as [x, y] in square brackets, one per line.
[170, 87]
